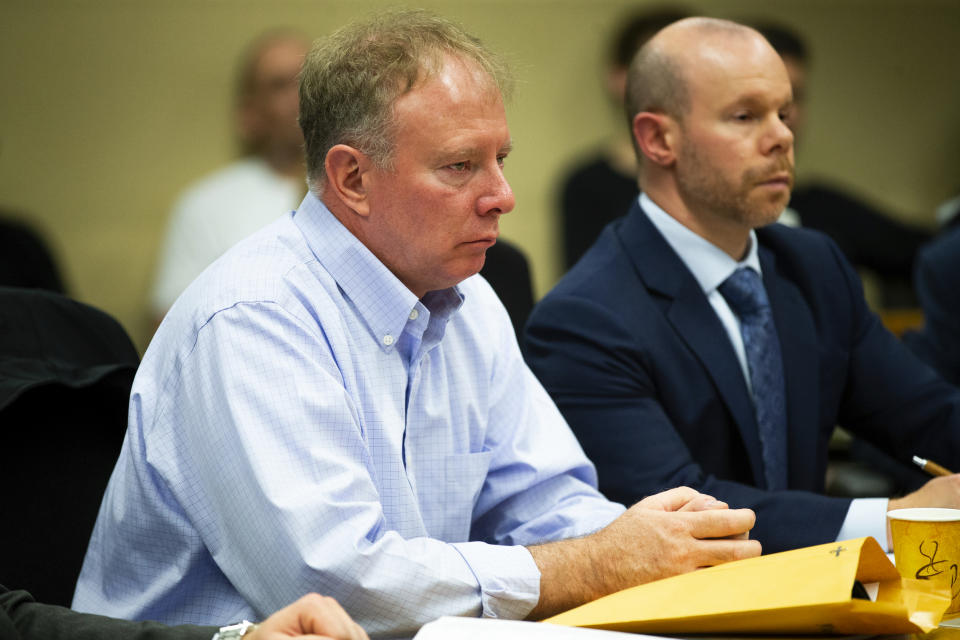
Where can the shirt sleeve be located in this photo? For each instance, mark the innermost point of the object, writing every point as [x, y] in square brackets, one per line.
[866, 517]
[274, 472]
[540, 486]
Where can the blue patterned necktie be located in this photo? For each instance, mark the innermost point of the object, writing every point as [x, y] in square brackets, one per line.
[746, 296]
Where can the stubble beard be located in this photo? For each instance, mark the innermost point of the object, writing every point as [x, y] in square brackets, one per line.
[704, 188]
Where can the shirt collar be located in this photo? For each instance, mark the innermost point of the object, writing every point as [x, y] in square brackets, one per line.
[384, 303]
[708, 263]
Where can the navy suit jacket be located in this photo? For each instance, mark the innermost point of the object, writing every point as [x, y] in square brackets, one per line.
[641, 367]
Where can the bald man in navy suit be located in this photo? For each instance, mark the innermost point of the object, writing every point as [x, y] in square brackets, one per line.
[697, 343]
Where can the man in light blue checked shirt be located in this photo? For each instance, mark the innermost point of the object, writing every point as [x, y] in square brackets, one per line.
[339, 404]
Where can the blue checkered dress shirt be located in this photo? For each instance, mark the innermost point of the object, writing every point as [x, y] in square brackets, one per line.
[302, 422]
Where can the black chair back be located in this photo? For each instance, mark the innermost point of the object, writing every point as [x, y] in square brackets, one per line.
[65, 374]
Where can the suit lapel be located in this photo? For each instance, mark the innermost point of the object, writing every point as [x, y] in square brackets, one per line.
[696, 323]
[798, 345]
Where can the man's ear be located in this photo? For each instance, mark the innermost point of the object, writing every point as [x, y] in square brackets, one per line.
[654, 133]
[345, 167]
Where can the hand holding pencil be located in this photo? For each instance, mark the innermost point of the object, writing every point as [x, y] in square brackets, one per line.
[943, 490]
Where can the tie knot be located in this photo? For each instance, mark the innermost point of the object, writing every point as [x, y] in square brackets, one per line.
[744, 292]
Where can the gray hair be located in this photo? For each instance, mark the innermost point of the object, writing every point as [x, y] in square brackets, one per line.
[352, 78]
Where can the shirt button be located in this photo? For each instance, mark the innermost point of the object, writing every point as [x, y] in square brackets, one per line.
[414, 314]
[388, 339]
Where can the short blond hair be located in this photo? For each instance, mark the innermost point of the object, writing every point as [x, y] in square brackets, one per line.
[352, 78]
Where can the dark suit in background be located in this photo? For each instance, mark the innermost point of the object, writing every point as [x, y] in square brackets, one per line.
[641, 367]
[937, 282]
[508, 272]
[870, 238]
[25, 259]
[593, 195]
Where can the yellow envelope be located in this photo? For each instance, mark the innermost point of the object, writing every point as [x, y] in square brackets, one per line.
[801, 591]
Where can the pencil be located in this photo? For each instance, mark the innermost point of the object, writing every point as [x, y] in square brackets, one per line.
[931, 467]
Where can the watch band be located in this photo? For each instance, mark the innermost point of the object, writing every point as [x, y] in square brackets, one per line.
[234, 631]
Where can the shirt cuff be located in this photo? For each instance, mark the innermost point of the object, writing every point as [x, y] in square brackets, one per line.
[866, 517]
[508, 577]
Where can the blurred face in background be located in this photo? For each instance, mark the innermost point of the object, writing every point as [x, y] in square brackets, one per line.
[269, 102]
[797, 72]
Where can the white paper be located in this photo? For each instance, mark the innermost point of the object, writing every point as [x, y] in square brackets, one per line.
[447, 628]
[952, 623]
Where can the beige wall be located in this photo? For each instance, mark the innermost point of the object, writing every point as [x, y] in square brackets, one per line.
[109, 108]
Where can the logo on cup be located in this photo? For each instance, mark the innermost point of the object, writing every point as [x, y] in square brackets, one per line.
[933, 568]
[926, 546]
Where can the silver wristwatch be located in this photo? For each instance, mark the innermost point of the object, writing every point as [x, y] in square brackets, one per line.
[234, 631]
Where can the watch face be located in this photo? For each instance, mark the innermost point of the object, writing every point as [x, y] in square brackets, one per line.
[233, 631]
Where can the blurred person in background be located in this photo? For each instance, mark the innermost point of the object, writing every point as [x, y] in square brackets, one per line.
[871, 238]
[937, 282]
[226, 206]
[600, 188]
[25, 257]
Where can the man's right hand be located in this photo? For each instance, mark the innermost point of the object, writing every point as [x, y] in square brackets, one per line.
[661, 536]
[942, 491]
